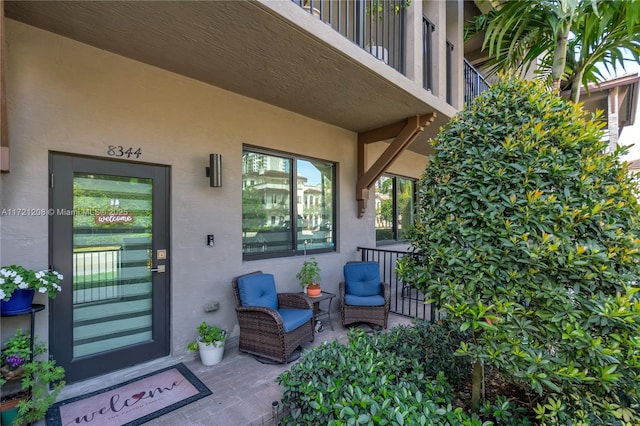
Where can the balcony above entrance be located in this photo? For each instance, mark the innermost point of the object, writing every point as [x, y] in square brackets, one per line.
[272, 51]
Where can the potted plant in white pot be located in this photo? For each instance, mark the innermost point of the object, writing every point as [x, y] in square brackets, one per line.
[309, 276]
[377, 11]
[210, 343]
[306, 6]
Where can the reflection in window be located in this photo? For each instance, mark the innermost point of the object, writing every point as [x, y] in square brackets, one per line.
[269, 205]
[394, 207]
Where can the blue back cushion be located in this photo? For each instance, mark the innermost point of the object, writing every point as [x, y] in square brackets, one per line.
[362, 279]
[258, 290]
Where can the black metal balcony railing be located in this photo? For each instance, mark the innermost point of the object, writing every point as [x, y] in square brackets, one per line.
[427, 53]
[450, 78]
[474, 83]
[377, 26]
[405, 300]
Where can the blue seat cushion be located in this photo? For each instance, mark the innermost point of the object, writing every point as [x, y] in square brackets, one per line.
[294, 318]
[258, 290]
[362, 279]
[352, 300]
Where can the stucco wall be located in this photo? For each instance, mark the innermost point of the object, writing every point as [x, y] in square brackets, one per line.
[69, 97]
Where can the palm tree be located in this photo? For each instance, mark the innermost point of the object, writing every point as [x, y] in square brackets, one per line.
[565, 39]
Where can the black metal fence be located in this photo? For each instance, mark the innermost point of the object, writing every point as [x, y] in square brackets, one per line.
[405, 300]
[96, 275]
[377, 26]
[474, 83]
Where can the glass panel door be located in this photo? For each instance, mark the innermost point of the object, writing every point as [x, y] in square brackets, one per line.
[112, 258]
[109, 237]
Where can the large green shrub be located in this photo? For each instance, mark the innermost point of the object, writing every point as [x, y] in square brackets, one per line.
[401, 377]
[358, 381]
[433, 346]
[527, 232]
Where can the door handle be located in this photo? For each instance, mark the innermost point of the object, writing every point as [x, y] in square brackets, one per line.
[159, 269]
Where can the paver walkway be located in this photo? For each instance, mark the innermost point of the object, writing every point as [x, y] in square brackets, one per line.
[243, 388]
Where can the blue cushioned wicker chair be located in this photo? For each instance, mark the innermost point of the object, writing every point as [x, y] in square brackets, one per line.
[272, 325]
[363, 296]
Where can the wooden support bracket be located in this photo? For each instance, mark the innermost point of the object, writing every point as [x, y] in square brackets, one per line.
[405, 132]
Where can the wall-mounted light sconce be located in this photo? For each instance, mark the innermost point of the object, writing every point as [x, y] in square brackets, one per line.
[214, 171]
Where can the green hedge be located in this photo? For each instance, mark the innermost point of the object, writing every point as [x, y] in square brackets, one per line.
[401, 377]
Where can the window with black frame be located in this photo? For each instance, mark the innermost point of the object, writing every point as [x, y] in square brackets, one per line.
[287, 204]
[394, 207]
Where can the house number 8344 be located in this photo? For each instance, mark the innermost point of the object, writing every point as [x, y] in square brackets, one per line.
[120, 151]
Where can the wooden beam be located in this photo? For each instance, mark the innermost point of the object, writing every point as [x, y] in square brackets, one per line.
[4, 131]
[382, 133]
[407, 133]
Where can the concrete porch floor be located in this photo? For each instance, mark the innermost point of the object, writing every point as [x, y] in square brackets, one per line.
[243, 388]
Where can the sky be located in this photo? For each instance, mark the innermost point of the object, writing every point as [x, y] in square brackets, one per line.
[308, 170]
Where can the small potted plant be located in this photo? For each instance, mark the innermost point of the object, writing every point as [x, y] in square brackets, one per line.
[15, 355]
[210, 343]
[376, 10]
[18, 285]
[306, 6]
[377, 7]
[41, 383]
[309, 277]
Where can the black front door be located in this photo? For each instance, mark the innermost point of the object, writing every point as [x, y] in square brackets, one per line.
[109, 237]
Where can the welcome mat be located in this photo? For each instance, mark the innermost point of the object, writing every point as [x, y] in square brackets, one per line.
[131, 403]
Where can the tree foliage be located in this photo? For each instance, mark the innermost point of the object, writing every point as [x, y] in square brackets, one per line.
[254, 215]
[565, 39]
[527, 232]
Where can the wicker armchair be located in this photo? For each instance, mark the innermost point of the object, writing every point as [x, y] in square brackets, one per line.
[363, 297]
[272, 325]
